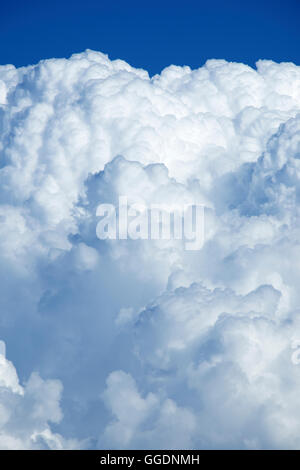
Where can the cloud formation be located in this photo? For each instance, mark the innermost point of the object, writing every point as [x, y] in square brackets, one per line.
[25, 412]
[155, 346]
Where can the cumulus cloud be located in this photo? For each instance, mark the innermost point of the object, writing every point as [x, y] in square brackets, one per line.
[172, 426]
[27, 411]
[155, 346]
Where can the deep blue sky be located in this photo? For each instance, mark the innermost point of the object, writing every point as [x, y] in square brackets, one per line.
[151, 34]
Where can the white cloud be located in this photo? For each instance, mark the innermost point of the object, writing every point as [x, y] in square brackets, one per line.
[170, 426]
[187, 349]
[27, 411]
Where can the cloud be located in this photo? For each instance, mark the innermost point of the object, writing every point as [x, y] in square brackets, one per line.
[172, 426]
[230, 357]
[155, 346]
[27, 411]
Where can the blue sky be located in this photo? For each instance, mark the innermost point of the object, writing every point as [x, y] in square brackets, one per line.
[153, 34]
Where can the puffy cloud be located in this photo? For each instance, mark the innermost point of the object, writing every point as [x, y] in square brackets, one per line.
[156, 346]
[230, 356]
[172, 426]
[26, 411]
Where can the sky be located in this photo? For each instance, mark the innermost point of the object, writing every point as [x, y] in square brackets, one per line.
[139, 342]
[151, 35]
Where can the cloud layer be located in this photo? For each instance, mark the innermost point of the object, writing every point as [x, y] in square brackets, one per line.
[140, 343]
